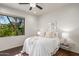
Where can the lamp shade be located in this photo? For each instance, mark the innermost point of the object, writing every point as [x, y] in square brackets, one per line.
[65, 34]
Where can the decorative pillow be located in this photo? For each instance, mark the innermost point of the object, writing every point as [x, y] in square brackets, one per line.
[50, 34]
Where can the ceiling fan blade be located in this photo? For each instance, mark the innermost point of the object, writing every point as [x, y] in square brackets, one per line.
[39, 7]
[30, 8]
[24, 3]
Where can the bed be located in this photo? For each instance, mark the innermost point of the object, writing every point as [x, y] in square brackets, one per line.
[41, 46]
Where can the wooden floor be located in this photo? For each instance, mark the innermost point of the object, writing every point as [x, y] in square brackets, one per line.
[62, 52]
[16, 51]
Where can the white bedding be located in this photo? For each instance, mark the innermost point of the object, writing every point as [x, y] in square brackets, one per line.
[41, 46]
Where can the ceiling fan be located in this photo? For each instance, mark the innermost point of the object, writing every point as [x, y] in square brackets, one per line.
[32, 5]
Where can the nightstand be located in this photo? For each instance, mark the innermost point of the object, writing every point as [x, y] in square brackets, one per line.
[65, 46]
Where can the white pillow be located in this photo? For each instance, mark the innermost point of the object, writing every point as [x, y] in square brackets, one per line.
[41, 34]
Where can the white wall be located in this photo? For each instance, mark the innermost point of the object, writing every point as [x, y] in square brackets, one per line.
[31, 25]
[30, 29]
[68, 21]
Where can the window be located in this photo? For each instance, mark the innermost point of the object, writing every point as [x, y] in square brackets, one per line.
[11, 26]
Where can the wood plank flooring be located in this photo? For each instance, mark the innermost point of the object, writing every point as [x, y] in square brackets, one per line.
[16, 51]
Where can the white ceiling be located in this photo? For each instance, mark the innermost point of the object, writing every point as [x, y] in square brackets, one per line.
[47, 7]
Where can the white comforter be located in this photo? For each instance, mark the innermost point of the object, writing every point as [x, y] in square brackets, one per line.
[41, 46]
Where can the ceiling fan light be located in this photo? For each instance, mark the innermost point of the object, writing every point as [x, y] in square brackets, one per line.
[32, 5]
